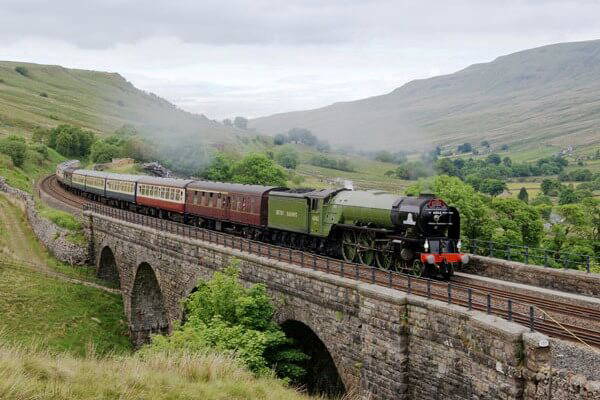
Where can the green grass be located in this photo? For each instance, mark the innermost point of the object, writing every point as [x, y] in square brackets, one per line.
[24, 177]
[60, 316]
[98, 101]
[34, 374]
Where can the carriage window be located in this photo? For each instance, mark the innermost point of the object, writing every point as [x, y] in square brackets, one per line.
[195, 197]
[210, 199]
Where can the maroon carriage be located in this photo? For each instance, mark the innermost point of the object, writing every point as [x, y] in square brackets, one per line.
[162, 193]
[229, 202]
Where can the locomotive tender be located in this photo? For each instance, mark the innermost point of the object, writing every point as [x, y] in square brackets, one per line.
[419, 235]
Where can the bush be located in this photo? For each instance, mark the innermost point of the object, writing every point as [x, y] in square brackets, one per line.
[225, 316]
[43, 94]
[287, 157]
[258, 169]
[22, 71]
[322, 160]
[14, 147]
[71, 141]
[40, 149]
[103, 152]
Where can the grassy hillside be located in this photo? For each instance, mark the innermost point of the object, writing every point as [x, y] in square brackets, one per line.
[39, 375]
[47, 95]
[537, 100]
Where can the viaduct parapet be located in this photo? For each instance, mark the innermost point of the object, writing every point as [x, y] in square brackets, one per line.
[381, 342]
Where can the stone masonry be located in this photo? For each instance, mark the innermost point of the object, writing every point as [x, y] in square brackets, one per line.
[384, 344]
[53, 237]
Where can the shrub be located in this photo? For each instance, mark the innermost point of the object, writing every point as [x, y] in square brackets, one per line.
[322, 160]
[225, 316]
[43, 94]
[14, 147]
[62, 219]
[22, 71]
[103, 152]
[287, 157]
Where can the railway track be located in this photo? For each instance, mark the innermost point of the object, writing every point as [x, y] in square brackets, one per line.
[50, 186]
[512, 306]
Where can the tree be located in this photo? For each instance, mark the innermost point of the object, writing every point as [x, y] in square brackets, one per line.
[493, 187]
[227, 122]
[568, 195]
[104, 152]
[507, 162]
[523, 220]
[504, 147]
[258, 169]
[485, 143]
[280, 139]
[465, 148]
[22, 71]
[71, 141]
[220, 169]
[303, 136]
[14, 147]
[287, 157]
[551, 187]
[384, 156]
[225, 316]
[494, 159]
[523, 195]
[240, 122]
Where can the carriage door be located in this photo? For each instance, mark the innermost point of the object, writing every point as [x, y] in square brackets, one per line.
[316, 216]
[226, 206]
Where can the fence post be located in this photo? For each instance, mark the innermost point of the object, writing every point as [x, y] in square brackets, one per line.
[509, 310]
[372, 274]
[587, 266]
[470, 298]
[508, 251]
[474, 250]
[489, 304]
[314, 262]
[428, 288]
[449, 293]
[531, 318]
[389, 278]
[342, 268]
[302, 259]
[491, 248]
[526, 254]
[356, 272]
[408, 288]
[545, 258]
[290, 255]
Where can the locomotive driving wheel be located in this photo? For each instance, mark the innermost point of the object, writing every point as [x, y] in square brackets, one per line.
[366, 248]
[384, 257]
[418, 268]
[349, 246]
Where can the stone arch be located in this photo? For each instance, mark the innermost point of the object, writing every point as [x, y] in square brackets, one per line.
[107, 267]
[322, 374]
[148, 312]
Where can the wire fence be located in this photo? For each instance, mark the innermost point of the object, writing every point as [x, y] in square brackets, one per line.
[532, 255]
[493, 302]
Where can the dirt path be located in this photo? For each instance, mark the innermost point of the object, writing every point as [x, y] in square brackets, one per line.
[20, 248]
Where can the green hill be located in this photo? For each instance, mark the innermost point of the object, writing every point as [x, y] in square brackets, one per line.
[547, 97]
[47, 95]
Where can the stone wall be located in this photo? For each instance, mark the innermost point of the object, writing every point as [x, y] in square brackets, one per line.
[570, 281]
[384, 343]
[53, 237]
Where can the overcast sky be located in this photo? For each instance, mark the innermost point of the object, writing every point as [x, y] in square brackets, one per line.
[258, 57]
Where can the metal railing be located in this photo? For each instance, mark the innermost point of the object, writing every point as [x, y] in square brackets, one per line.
[531, 255]
[491, 302]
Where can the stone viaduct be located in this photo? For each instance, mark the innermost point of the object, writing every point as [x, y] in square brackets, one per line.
[378, 342]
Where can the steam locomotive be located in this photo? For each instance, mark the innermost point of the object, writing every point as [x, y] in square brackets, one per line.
[418, 235]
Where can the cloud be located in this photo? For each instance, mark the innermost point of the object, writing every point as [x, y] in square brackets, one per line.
[257, 57]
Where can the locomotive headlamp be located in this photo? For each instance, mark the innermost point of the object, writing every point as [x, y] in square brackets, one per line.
[426, 245]
[459, 245]
[430, 259]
